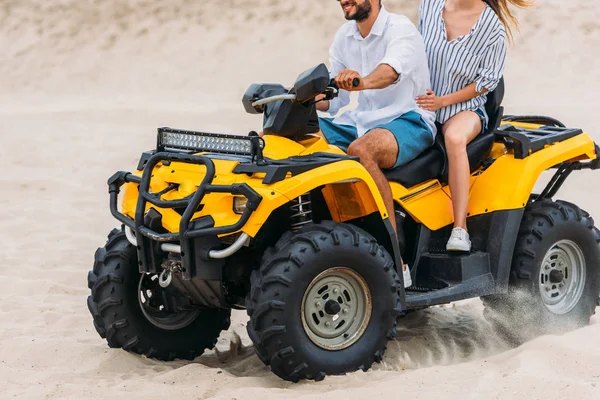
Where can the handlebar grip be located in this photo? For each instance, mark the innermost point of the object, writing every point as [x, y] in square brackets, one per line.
[355, 83]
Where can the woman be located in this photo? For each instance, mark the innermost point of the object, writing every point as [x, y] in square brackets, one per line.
[466, 44]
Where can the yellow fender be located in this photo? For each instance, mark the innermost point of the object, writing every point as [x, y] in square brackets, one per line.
[505, 185]
[348, 188]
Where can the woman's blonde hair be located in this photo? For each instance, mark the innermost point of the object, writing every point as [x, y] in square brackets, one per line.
[501, 9]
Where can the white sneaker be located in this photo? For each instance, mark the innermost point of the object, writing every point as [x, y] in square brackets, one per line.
[406, 276]
[459, 240]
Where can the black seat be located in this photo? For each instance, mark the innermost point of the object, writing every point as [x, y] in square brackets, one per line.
[433, 162]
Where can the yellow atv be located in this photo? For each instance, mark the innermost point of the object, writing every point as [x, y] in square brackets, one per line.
[296, 232]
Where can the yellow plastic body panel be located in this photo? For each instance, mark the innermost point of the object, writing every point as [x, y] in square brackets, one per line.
[362, 194]
[349, 190]
[505, 185]
[508, 182]
[427, 203]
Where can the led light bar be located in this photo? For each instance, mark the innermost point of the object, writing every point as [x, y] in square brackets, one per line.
[180, 140]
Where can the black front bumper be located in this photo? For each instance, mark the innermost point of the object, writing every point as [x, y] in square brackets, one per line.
[196, 237]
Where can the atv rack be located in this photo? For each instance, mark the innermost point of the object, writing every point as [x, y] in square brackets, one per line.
[534, 119]
[528, 141]
[277, 170]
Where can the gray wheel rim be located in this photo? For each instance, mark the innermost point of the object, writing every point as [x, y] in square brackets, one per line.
[336, 308]
[151, 298]
[562, 277]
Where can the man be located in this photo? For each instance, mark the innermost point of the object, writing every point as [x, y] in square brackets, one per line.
[387, 129]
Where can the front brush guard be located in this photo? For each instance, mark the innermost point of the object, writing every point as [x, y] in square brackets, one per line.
[188, 236]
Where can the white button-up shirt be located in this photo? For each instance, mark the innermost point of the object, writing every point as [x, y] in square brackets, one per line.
[394, 41]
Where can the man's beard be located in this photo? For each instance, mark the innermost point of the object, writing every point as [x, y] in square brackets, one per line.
[362, 12]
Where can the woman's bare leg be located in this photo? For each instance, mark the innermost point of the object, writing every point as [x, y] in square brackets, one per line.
[458, 132]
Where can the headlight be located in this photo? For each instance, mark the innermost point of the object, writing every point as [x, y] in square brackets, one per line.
[239, 204]
[175, 139]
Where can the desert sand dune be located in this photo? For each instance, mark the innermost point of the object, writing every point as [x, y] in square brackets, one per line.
[83, 86]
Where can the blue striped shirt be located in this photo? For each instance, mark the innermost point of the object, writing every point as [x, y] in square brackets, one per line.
[478, 56]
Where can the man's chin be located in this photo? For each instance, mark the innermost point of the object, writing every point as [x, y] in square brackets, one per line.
[349, 16]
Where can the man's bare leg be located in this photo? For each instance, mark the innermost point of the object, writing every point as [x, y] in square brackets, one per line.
[378, 149]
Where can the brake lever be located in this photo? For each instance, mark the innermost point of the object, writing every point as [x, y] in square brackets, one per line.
[330, 93]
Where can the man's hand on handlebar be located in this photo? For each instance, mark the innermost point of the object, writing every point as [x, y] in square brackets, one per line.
[347, 80]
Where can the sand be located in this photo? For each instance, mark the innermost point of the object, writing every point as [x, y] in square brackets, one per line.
[83, 86]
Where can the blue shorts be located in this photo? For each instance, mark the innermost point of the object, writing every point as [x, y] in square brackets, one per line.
[484, 119]
[412, 134]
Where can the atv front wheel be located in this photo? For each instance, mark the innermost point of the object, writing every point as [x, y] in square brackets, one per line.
[132, 311]
[324, 302]
[554, 281]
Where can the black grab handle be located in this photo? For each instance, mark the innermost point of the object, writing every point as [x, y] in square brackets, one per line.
[355, 83]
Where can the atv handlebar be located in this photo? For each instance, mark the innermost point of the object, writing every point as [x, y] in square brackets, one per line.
[355, 83]
[291, 96]
[278, 97]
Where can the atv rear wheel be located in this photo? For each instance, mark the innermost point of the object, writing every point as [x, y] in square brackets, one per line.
[554, 281]
[132, 311]
[324, 302]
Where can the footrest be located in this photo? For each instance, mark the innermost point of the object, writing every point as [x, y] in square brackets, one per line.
[453, 268]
